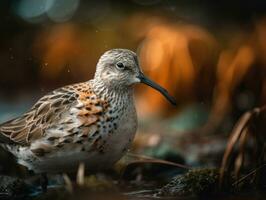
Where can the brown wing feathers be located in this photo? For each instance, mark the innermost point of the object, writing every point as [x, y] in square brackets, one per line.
[31, 125]
[48, 112]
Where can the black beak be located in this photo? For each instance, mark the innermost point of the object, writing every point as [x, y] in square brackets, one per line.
[145, 80]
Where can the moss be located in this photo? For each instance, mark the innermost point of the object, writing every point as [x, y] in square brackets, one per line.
[194, 182]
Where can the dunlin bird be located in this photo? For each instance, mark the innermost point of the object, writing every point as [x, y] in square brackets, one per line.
[93, 122]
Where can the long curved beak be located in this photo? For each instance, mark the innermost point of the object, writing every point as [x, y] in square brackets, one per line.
[147, 81]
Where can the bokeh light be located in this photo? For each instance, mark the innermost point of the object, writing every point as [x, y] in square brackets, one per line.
[38, 11]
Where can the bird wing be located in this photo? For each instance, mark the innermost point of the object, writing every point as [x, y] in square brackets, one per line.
[49, 111]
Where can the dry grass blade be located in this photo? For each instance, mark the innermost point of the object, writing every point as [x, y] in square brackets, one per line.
[240, 158]
[251, 125]
[235, 135]
[248, 175]
[147, 159]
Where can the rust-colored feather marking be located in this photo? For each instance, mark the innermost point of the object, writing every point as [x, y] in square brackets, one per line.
[48, 112]
[90, 108]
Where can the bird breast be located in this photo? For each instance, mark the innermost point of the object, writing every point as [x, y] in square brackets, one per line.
[119, 142]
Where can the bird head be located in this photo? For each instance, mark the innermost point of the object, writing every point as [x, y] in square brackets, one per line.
[120, 69]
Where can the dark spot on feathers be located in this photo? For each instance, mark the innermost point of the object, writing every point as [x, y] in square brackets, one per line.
[97, 140]
[43, 120]
[57, 103]
[48, 116]
[72, 98]
[65, 96]
[76, 132]
[68, 140]
[38, 152]
[37, 105]
[66, 102]
[56, 110]
[43, 108]
[95, 133]
[32, 127]
[55, 96]
[60, 145]
[52, 138]
[39, 121]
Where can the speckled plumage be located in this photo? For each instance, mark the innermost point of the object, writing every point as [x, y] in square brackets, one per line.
[92, 122]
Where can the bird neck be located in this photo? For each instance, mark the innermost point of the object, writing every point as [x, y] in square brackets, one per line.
[112, 92]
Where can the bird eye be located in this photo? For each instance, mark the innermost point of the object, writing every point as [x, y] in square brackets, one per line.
[120, 65]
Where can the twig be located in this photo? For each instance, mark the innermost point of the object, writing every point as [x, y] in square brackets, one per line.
[249, 174]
